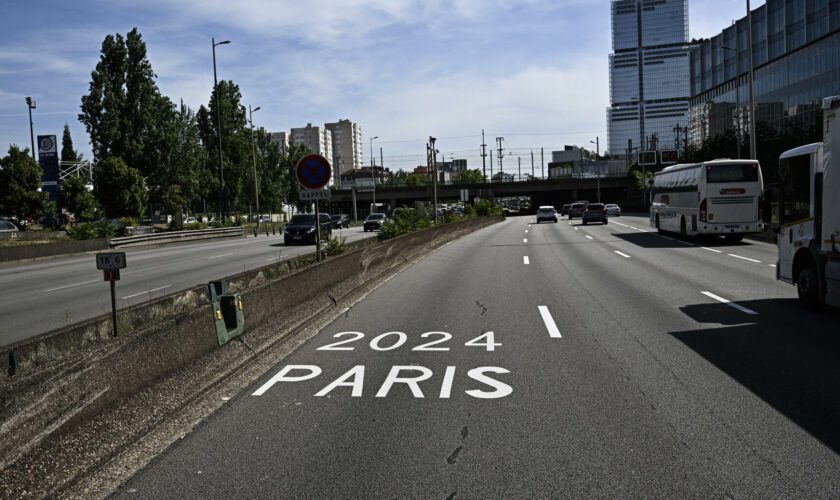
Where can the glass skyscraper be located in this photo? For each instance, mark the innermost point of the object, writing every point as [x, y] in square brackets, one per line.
[796, 63]
[649, 75]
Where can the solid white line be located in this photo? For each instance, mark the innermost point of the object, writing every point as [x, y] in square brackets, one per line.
[590, 237]
[622, 254]
[70, 286]
[553, 332]
[576, 229]
[147, 291]
[744, 258]
[772, 265]
[620, 224]
[526, 231]
[729, 303]
[272, 259]
[525, 260]
[220, 256]
[667, 238]
[711, 249]
[525, 240]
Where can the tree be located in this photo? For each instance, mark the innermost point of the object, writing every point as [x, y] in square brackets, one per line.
[120, 189]
[473, 176]
[20, 178]
[67, 151]
[288, 164]
[77, 199]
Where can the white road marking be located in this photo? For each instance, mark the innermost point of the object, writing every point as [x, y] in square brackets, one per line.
[590, 237]
[272, 259]
[525, 240]
[553, 332]
[637, 229]
[711, 249]
[620, 224]
[744, 258]
[576, 229]
[622, 254]
[526, 231]
[71, 286]
[772, 265]
[525, 260]
[729, 303]
[667, 238]
[147, 291]
[220, 256]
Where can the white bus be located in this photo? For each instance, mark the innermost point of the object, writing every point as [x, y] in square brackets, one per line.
[719, 197]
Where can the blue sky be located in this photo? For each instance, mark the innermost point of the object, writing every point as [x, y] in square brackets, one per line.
[532, 71]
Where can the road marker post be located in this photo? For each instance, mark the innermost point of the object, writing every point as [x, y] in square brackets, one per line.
[110, 263]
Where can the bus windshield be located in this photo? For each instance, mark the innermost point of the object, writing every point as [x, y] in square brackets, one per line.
[731, 173]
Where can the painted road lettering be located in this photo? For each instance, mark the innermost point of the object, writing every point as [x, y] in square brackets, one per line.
[411, 376]
[379, 343]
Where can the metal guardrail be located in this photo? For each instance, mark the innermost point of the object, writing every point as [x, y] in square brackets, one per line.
[177, 236]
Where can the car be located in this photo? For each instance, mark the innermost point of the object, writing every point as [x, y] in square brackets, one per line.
[564, 210]
[374, 221]
[546, 213]
[301, 229]
[595, 212]
[8, 230]
[576, 209]
[265, 219]
[340, 220]
[190, 220]
[613, 209]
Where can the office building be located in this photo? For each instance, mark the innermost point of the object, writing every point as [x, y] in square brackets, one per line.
[649, 74]
[346, 145]
[281, 139]
[796, 63]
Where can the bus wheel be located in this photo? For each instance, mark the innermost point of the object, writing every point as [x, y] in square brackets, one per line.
[682, 228]
[807, 286]
[733, 238]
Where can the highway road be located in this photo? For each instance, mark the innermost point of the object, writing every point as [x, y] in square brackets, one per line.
[39, 296]
[621, 363]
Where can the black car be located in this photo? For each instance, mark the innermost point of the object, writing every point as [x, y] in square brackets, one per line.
[340, 220]
[564, 210]
[577, 209]
[374, 222]
[301, 229]
[595, 212]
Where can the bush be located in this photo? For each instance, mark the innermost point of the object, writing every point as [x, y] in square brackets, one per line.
[82, 231]
[487, 207]
[404, 220]
[334, 246]
[100, 229]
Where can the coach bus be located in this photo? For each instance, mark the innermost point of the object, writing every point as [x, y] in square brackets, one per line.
[720, 197]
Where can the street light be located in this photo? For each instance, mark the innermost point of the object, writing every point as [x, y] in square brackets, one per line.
[737, 92]
[372, 174]
[254, 155]
[753, 153]
[597, 143]
[31, 105]
[222, 192]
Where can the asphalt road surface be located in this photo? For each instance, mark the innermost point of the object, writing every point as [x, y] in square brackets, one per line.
[615, 368]
[39, 296]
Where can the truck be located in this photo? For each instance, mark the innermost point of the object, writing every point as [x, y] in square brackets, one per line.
[808, 215]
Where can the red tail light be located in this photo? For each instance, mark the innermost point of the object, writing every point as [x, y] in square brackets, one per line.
[703, 210]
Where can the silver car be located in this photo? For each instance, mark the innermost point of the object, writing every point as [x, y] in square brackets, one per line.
[546, 213]
[8, 231]
[613, 209]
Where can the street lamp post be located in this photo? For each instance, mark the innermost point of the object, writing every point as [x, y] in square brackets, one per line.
[30, 103]
[753, 153]
[222, 192]
[372, 172]
[254, 156]
[433, 152]
[597, 143]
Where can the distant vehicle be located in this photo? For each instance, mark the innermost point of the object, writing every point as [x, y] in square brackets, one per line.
[8, 230]
[564, 210]
[576, 210]
[340, 220]
[301, 229]
[808, 218]
[613, 209]
[190, 220]
[374, 222]
[718, 197]
[265, 219]
[595, 212]
[546, 213]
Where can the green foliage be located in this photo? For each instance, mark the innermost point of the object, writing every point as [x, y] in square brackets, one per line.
[334, 246]
[635, 175]
[67, 151]
[487, 207]
[404, 220]
[473, 176]
[119, 188]
[77, 199]
[417, 180]
[20, 179]
[92, 230]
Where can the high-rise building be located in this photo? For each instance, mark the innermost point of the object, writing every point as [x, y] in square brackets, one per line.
[649, 74]
[317, 139]
[796, 63]
[346, 145]
[281, 139]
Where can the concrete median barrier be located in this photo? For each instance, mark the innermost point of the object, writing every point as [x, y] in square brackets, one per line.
[49, 249]
[51, 383]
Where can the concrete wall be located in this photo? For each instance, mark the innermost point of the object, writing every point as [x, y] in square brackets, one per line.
[35, 250]
[51, 382]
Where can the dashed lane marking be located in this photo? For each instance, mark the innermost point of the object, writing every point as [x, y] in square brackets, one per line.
[550, 325]
[622, 254]
[729, 303]
[147, 291]
[590, 237]
[71, 286]
[525, 260]
[744, 258]
[711, 249]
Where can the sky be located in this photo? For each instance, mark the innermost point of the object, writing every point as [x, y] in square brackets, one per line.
[532, 71]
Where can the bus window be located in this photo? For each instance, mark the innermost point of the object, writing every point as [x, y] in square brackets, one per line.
[795, 173]
[731, 173]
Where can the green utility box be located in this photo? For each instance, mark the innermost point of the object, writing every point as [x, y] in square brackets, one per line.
[228, 311]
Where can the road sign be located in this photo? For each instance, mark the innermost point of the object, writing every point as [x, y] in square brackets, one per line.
[110, 260]
[313, 171]
[111, 274]
[314, 194]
